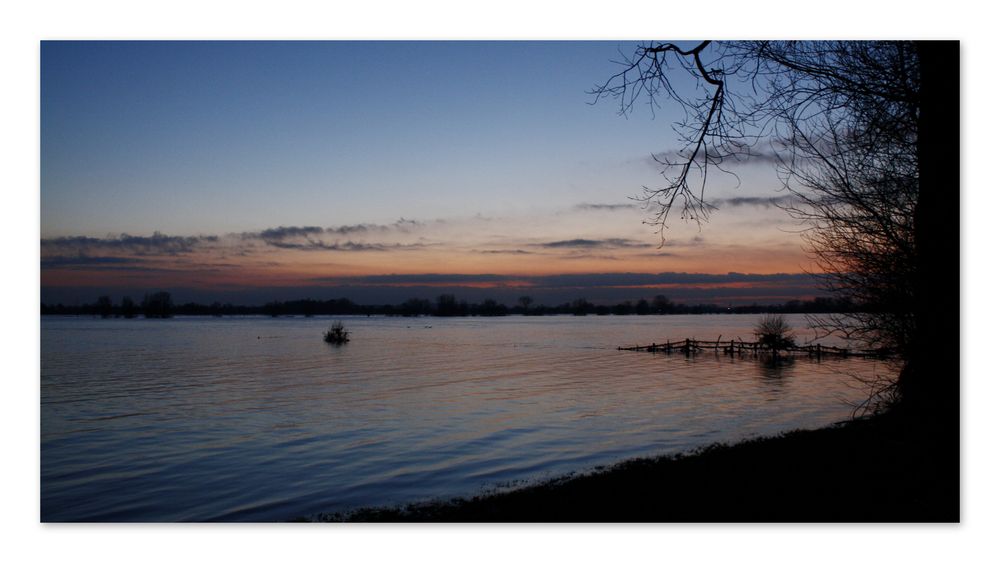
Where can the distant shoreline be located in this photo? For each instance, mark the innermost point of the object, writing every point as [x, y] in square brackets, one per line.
[879, 469]
[161, 305]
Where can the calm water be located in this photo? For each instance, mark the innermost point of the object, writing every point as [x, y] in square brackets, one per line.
[259, 419]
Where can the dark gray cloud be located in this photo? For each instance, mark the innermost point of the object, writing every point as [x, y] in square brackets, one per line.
[605, 206]
[88, 262]
[158, 244]
[402, 225]
[347, 246]
[583, 243]
[281, 233]
[764, 202]
[315, 238]
[733, 153]
[356, 229]
[80, 251]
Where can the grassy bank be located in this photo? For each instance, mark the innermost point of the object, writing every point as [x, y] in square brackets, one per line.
[873, 470]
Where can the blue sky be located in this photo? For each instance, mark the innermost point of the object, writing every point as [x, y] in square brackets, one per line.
[198, 137]
[456, 158]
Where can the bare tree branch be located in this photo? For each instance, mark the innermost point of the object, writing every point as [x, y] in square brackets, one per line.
[841, 119]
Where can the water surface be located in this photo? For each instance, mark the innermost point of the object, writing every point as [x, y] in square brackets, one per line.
[259, 419]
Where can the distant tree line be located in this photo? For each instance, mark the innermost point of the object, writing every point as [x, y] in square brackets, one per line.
[157, 305]
[161, 305]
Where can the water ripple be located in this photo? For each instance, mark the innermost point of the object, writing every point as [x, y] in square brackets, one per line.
[199, 419]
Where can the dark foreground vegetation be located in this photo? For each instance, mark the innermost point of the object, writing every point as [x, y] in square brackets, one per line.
[160, 305]
[879, 469]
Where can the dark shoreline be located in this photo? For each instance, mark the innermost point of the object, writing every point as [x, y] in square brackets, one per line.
[878, 469]
[447, 306]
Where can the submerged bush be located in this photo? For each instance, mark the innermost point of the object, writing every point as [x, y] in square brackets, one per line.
[337, 334]
[774, 332]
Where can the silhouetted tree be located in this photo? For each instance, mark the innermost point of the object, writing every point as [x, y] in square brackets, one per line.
[104, 306]
[525, 302]
[623, 308]
[415, 307]
[491, 308]
[865, 133]
[158, 305]
[642, 307]
[446, 305]
[662, 305]
[273, 308]
[309, 307]
[581, 307]
[128, 308]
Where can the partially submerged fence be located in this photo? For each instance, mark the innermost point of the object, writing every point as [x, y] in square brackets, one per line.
[690, 346]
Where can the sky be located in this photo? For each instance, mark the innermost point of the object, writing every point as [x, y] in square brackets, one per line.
[245, 172]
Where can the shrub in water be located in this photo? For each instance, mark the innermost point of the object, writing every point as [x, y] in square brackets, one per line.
[774, 332]
[337, 334]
